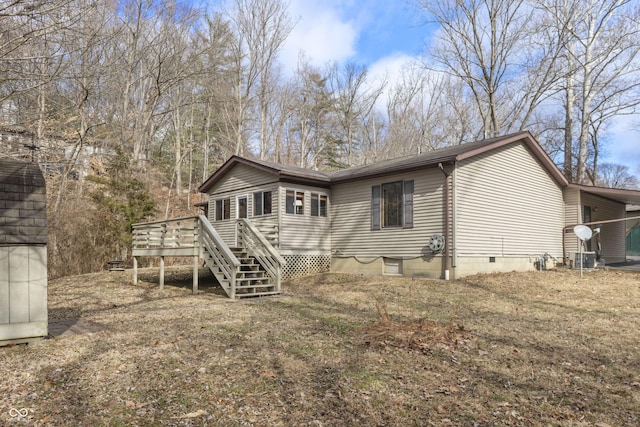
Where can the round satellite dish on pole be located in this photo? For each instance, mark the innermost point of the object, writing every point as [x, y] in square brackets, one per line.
[583, 232]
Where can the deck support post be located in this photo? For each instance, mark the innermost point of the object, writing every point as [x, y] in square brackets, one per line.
[135, 270]
[195, 274]
[161, 272]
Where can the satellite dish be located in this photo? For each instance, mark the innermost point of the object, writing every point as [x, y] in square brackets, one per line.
[583, 232]
[436, 243]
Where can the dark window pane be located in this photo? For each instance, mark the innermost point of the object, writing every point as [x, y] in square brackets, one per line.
[242, 207]
[218, 210]
[257, 204]
[314, 204]
[227, 209]
[267, 202]
[290, 202]
[392, 204]
[323, 205]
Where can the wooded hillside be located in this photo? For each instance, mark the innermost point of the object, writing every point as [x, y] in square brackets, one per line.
[130, 104]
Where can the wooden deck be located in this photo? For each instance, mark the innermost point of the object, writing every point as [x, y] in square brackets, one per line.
[253, 269]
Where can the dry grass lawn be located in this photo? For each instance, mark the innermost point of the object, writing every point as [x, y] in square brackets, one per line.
[526, 349]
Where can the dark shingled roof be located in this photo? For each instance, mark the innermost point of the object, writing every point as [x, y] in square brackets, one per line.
[23, 203]
[402, 164]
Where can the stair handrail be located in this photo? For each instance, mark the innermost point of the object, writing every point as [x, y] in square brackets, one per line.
[218, 249]
[258, 246]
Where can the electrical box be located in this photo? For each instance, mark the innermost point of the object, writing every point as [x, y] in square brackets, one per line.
[588, 260]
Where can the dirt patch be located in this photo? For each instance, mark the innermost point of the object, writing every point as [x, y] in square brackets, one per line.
[419, 335]
[539, 348]
[78, 325]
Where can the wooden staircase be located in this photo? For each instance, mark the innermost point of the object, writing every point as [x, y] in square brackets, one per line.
[253, 269]
[251, 279]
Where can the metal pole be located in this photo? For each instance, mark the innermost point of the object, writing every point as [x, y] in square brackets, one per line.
[581, 259]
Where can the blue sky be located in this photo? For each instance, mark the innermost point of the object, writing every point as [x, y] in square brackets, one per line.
[385, 35]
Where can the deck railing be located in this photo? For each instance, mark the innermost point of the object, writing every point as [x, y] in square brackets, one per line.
[250, 239]
[220, 254]
[193, 236]
[171, 237]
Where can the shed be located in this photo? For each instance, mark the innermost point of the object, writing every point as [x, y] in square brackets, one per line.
[23, 252]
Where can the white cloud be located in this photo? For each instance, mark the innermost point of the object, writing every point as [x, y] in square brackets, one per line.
[389, 69]
[322, 33]
[624, 146]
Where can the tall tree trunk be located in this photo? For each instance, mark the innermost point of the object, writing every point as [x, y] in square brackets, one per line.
[568, 116]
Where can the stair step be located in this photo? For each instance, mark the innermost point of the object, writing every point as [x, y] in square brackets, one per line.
[252, 279]
[264, 285]
[258, 294]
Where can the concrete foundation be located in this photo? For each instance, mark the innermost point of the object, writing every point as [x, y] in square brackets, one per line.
[432, 267]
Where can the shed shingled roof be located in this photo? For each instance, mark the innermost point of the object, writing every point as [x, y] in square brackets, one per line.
[23, 203]
[401, 164]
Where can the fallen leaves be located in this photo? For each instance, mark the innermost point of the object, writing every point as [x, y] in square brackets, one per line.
[419, 335]
[171, 358]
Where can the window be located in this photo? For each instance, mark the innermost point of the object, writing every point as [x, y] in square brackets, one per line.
[242, 202]
[262, 203]
[392, 205]
[318, 204]
[294, 203]
[223, 209]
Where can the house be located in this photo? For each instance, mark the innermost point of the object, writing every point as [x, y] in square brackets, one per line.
[508, 204]
[23, 252]
[633, 231]
[495, 205]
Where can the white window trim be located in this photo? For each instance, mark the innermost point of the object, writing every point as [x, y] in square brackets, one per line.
[319, 194]
[295, 198]
[238, 197]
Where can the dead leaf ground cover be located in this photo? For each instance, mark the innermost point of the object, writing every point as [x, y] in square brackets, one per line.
[539, 348]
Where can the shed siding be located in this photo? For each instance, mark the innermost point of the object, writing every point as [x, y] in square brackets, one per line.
[304, 233]
[612, 235]
[507, 205]
[351, 218]
[23, 292]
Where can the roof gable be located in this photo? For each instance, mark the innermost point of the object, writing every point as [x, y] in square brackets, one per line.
[387, 167]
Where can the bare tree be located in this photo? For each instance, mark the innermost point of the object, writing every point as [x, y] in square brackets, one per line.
[354, 101]
[602, 45]
[478, 42]
[309, 109]
[616, 176]
[261, 28]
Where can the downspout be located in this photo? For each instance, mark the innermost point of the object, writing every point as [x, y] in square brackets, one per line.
[447, 257]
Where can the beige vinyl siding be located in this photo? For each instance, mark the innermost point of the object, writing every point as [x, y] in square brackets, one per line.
[507, 205]
[351, 218]
[573, 215]
[304, 233]
[241, 177]
[242, 180]
[612, 236]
